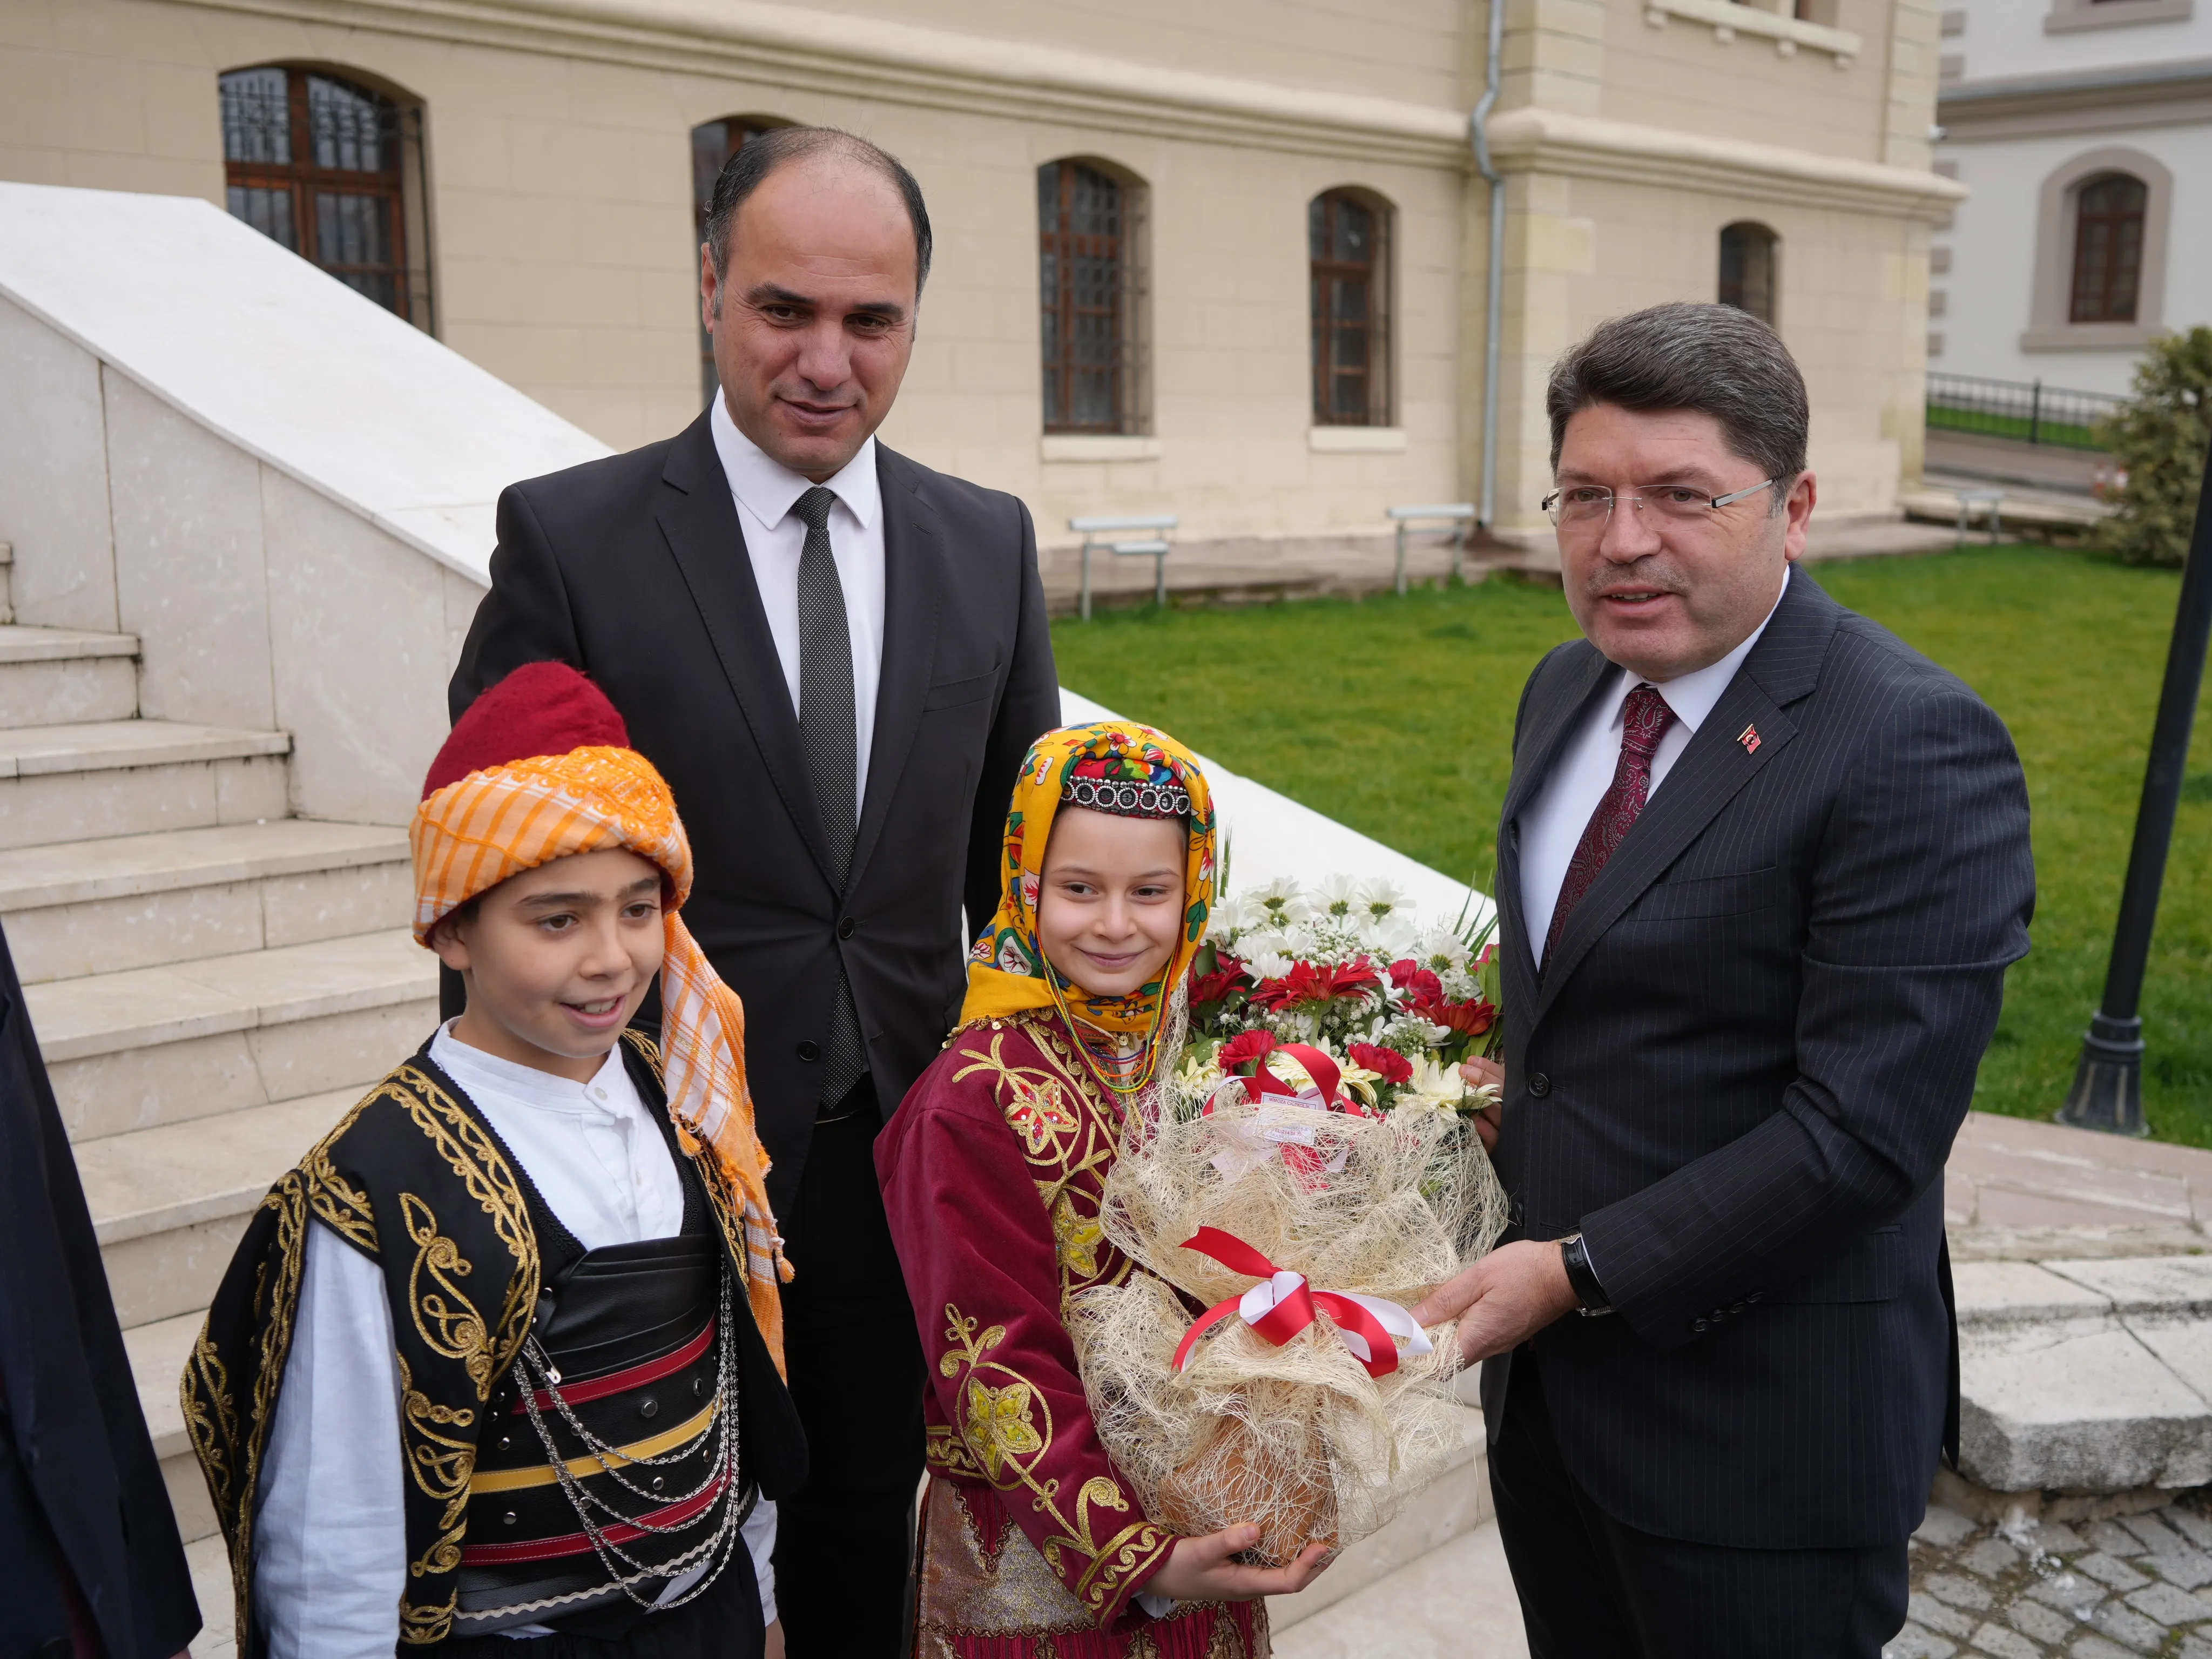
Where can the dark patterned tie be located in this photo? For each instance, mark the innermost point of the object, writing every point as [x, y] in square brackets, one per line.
[827, 734]
[1644, 720]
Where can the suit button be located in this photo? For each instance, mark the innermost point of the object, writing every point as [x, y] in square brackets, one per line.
[809, 1052]
[1738, 1307]
[1539, 1085]
[1700, 1327]
[847, 927]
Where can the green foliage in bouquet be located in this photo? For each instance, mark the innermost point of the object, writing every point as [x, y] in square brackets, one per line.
[2158, 437]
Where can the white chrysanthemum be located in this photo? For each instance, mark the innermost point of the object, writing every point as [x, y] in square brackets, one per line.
[1380, 898]
[1392, 936]
[1337, 896]
[1434, 1086]
[1272, 962]
[1278, 904]
[1440, 950]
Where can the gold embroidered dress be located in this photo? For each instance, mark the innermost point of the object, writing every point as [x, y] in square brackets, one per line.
[1033, 1547]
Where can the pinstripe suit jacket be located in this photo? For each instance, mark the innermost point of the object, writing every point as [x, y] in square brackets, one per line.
[1739, 1076]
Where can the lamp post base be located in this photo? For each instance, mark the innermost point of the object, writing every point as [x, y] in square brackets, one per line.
[2107, 1091]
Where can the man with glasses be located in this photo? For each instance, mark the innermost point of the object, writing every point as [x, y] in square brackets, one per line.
[1760, 870]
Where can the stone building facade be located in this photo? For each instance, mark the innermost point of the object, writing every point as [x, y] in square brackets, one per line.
[1267, 312]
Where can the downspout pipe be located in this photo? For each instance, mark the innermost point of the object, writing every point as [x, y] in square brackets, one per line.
[1494, 300]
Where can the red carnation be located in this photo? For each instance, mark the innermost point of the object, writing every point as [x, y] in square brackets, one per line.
[1349, 978]
[1386, 1063]
[1302, 984]
[1245, 1046]
[1470, 1018]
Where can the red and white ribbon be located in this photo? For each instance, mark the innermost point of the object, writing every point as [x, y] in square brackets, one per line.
[1283, 1304]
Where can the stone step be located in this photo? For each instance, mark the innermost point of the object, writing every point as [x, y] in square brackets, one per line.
[141, 901]
[169, 1203]
[132, 777]
[53, 676]
[192, 1040]
[158, 1352]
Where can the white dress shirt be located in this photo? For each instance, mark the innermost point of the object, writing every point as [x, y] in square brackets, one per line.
[330, 1542]
[1553, 823]
[765, 491]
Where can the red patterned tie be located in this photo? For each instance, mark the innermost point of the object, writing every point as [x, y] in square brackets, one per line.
[1644, 720]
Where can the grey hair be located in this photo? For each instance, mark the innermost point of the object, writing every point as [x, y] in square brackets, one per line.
[1715, 358]
[764, 152]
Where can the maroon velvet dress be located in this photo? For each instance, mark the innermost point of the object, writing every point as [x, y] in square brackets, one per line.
[1033, 1547]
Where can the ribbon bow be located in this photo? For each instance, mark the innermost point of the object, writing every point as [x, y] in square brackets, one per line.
[1282, 1304]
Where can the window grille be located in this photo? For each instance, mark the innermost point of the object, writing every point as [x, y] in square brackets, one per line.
[1090, 281]
[1348, 246]
[2108, 239]
[712, 144]
[333, 172]
[1749, 264]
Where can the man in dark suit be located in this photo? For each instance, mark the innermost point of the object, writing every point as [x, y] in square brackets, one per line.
[1761, 868]
[837, 658]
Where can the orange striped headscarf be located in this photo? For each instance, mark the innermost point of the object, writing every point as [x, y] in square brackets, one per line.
[496, 820]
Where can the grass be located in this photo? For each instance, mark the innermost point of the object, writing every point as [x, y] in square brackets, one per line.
[2061, 434]
[1396, 716]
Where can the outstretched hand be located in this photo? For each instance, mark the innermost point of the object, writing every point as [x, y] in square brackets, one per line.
[1204, 1570]
[1503, 1299]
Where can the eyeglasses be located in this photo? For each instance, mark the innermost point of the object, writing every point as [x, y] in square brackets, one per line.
[1586, 507]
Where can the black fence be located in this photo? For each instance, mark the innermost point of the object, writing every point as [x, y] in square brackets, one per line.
[2027, 411]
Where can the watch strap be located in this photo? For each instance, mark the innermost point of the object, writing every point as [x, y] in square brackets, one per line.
[1591, 1298]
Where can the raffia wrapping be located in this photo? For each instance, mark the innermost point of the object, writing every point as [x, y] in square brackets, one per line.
[1297, 1439]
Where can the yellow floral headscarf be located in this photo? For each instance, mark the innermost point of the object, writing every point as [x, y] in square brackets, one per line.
[1007, 974]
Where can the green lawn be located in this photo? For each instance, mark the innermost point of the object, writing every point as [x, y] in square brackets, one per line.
[1396, 716]
[2060, 433]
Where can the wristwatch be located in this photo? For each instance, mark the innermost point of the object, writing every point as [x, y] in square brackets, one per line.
[1590, 1299]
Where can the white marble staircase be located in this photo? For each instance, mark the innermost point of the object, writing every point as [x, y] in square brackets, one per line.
[212, 986]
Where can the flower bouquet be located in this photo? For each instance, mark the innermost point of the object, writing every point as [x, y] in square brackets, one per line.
[1308, 1175]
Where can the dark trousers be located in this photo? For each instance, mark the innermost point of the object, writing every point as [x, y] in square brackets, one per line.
[1592, 1588]
[845, 1540]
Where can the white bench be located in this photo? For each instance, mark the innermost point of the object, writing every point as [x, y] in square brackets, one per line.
[1991, 501]
[1101, 532]
[1458, 514]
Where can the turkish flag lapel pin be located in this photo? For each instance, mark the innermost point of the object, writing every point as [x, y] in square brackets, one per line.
[1749, 738]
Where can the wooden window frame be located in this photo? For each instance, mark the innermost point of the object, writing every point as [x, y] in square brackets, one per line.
[1355, 350]
[1072, 289]
[2124, 233]
[1770, 243]
[396, 188]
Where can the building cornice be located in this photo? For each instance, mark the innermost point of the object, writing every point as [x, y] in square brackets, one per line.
[2078, 101]
[788, 47]
[1548, 140]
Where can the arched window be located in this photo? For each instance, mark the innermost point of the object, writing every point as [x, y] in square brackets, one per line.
[2108, 247]
[1348, 245]
[1090, 282]
[334, 172]
[1748, 268]
[712, 144]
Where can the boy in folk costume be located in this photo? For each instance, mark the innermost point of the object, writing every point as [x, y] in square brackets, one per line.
[496, 1369]
[1032, 1543]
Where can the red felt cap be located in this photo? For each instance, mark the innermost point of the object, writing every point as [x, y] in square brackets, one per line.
[541, 709]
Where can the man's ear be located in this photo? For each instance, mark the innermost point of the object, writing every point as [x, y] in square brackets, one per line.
[1803, 492]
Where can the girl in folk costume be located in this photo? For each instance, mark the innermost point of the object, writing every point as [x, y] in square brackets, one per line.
[1033, 1545]
[496, 1369]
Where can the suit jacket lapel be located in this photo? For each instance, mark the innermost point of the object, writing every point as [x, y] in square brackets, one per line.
[915, 576]
[1549, 727]
[1782, 667]
[700, 523]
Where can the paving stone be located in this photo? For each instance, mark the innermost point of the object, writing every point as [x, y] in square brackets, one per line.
[2106, 1571]
[2069, 1590]
[2113, 1539]
[1943, 1528]
[1933, 1613]
[1914, 1643]
[2195, 1527]
[1961, 1592]
[1992, 1558]
[2188, 1569]
[2004, 1643]
[2158, 1538]
[2057, 1538]
[2041, 1622]
[2193, 1647]
[2144, 1635]
[2095, 1647]
[2170, 1604]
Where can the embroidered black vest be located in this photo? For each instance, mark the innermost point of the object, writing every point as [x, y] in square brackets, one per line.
[415, 1178]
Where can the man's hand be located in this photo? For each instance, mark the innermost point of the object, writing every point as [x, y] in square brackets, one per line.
[1199, 1570]
[1478, 1072]
[1503, 1299]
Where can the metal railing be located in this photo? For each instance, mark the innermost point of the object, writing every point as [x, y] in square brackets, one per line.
[2027, 411]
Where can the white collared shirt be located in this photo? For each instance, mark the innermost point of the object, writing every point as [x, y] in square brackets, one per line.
[331, 1544]
[765, 491]
[1553, 823]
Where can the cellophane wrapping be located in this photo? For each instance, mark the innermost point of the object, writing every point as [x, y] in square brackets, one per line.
[1298, 1439]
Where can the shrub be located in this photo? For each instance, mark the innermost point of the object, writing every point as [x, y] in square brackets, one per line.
[2160, 435]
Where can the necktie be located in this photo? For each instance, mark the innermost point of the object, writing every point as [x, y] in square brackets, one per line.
[826, 734]
[1644, 720]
